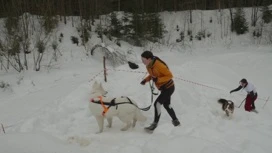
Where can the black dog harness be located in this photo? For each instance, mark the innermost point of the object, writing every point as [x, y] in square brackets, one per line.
[106, 105]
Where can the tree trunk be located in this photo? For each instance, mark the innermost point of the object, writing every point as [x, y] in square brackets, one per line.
[175, 5]
[119, 5]
[25, 41]
[195, 4]
[25, 61]
[80, 10]
[231, 15]
[8, 61]
[96, 8]
[19, 62]
[255, 9]
[191, 16]
[38, 62]
[142, 3]
[158, 5]
[219, 5]
[231, 20]
[64, 11]
[2, 64]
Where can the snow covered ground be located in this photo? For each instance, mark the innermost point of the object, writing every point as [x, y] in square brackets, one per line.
[47, 111]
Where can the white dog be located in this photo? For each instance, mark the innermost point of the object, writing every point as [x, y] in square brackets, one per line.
[103, 107]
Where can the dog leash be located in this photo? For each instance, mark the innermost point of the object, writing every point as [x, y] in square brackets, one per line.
[152, 93]
[241, 103]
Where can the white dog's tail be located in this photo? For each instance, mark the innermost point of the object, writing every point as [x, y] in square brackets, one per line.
[139, 116]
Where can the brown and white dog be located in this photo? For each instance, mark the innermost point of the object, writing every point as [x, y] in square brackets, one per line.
[227, 106]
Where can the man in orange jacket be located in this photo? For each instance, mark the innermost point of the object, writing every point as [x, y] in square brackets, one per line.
[162, 77]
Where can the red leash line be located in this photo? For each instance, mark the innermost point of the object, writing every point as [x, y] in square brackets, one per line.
[127, 71]
[199, 84]
[95, 76]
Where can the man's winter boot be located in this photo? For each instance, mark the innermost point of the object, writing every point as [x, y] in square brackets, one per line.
[176, 122]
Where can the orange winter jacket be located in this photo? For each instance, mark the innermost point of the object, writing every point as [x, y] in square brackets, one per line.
[157, 69]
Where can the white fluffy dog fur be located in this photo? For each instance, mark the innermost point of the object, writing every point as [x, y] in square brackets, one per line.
[128, 113]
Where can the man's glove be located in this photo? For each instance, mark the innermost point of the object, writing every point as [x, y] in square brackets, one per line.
[143, 82]
[154, 79]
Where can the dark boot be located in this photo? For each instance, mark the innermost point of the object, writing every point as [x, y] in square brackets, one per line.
[176, 122]
[253, 105]
[151, 127]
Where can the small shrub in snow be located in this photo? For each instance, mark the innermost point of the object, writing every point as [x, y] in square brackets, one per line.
[191, 38]
[49, 23]
[54, 45]
[209, 34]
[181, 38]
[189, 32]
[40, 46]
[74, 40]
[177, 28]
[200, 35]
[117, 42]
[4, 85]
[266, 14]
[178, 40]
[60, 37]
[99, 30]
[11, 24]
[84, 36]
[83, 32]
[257, 33]
[20, 79]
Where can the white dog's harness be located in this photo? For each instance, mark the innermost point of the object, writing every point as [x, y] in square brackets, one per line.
[106, 105]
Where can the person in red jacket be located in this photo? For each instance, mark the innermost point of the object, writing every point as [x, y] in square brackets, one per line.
[251, 94]
[162, 77]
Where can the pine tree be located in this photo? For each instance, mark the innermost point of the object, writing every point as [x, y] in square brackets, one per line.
[127, 25]
[116, 26]
[240, 23]
[147, 27]
[157, 29]
[137, 28]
